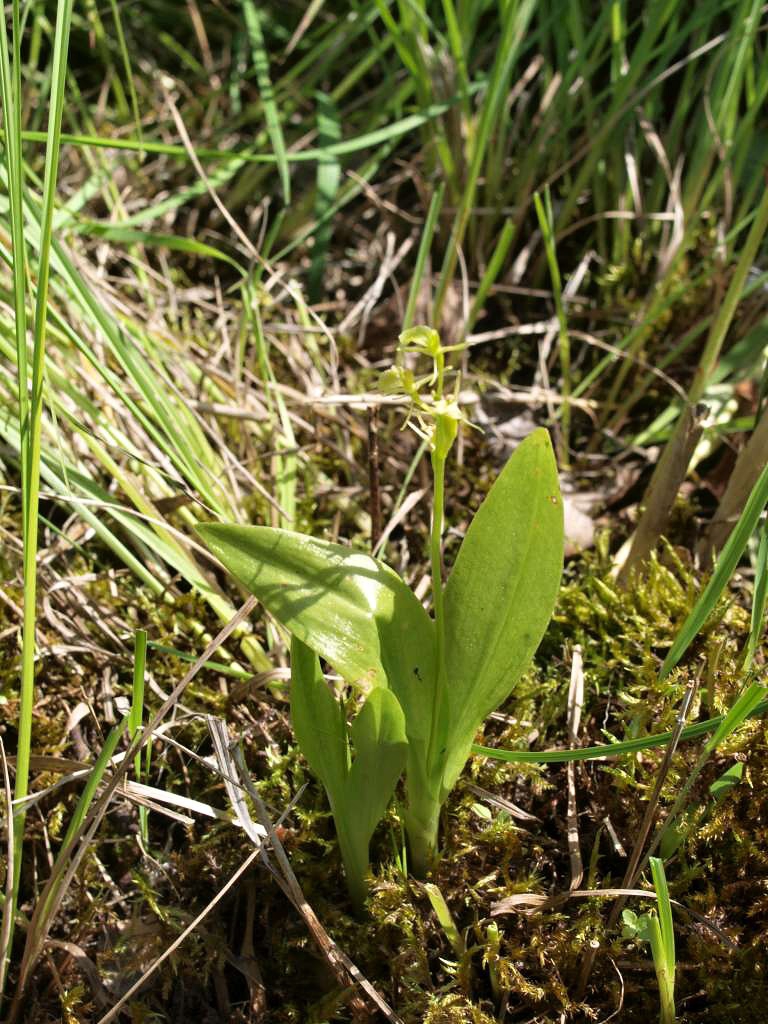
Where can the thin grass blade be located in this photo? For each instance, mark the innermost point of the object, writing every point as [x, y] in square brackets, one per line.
[724, 569]
[271, 113]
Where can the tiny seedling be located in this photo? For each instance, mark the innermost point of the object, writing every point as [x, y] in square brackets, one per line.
[447, 671]
[445, 917]
[658, 930]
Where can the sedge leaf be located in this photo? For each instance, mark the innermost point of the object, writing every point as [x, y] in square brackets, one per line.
[271, 113]
[726, 782]
[724, 570]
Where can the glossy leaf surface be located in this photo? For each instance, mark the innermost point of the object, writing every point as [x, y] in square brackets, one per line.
[351, 609]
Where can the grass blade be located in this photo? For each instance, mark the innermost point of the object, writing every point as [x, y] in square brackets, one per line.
[425, 244]
[136, 715]
[30, 405]
[663, 944]
[758, 598]
[747, 704]
[66, 863]
[691, 732]
[547, 226]
[444, 916]
[724, 569]
[515, 23]
[328, 181]
[271, 113]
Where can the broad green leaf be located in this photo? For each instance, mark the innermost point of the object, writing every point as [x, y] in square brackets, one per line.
[318, 722]
[358, 793]
[629, 920]
[351, 609]
[501, 593]
[380, 746]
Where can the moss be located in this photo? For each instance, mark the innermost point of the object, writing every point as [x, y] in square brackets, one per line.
[528, 962]
[455, 1010]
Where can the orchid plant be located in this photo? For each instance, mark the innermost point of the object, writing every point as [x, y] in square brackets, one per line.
[429, 681]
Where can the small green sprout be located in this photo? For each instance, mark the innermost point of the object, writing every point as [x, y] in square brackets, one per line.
[657, 929]
[445, 672]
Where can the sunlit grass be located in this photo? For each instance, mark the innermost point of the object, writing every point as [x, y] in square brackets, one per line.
[458, 162]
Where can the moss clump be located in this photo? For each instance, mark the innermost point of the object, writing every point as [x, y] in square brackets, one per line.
[527, 962]
[455, 1010]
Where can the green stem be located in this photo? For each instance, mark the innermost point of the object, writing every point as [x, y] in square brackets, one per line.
[423, 800]
[10, 91]
[436, 562]
[665, 975]
[666, 996]
[422, 823]
[355, 862]
[435, 546]
[31, 427]
[436, 534]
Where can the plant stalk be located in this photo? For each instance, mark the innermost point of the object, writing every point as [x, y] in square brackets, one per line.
[423, 820]
[10, 87]
[30, 388]
[355, 863]
[423, 825]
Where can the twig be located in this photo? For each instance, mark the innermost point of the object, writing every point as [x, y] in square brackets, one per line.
[111, 1014]
[60, 880]
[374, 475]
[575, 703]
[529, 903]
[662, 490]
[342, 966]
[630, 874]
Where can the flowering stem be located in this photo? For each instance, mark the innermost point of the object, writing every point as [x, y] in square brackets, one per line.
[435, 552]
[438, 499]
[438, 421]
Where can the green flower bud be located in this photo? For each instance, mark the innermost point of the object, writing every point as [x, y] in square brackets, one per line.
[391, 381]
[421, 339]
[447, 416]
[397, 381]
